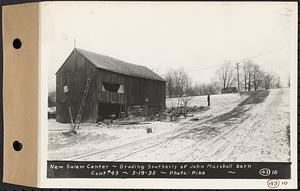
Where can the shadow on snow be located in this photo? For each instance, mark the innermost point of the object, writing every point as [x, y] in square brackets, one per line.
[237, 115]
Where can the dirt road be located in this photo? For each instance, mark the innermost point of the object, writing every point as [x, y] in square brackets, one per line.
[255, 129]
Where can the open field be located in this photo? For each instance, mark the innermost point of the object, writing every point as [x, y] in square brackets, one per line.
[249, 127]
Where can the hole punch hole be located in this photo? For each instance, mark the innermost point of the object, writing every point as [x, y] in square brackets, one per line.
[17, 43]
[17, 146]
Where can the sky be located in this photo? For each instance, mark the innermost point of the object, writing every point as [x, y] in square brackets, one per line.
[197, 37]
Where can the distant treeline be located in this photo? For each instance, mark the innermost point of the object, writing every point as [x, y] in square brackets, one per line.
[51, 99]
[251, 78]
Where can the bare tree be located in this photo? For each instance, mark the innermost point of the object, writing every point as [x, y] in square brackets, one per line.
[247, 70]
[198, 89]
[185, 100]
[245, 76]
[170, 83]
[278, 82]
[178, 83]
[249, 67]
[268, 81]
[254, 77]
[257, 76]
[225, 75]
[51, 99]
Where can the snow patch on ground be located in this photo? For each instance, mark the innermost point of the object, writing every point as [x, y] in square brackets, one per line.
[91, 137]
[249, 127]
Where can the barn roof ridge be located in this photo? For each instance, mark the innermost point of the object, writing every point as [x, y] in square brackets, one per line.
[119, 66]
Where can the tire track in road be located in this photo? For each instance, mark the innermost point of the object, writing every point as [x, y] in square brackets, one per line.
[182, 133]
[222, 146]
[209, 146]
[222, 142]
[165, 136]
[255, 144]
[164, 140]
[143, 145]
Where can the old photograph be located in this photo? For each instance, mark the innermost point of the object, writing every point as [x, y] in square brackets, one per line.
[169, 82]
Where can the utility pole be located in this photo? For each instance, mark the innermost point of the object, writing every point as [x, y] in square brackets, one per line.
[278, 82]
[238, 75]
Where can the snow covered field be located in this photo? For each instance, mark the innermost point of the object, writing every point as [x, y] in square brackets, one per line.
[249, 127]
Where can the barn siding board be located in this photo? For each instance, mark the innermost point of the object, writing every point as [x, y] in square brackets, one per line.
[73, 73]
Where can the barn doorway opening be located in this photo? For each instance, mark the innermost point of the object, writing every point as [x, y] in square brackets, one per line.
[108, 111]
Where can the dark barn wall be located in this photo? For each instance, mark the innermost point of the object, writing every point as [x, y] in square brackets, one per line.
[139, 89]
[74, 73]
[136, 89]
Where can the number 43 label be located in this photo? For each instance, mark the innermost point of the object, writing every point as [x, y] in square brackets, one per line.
[274, 183]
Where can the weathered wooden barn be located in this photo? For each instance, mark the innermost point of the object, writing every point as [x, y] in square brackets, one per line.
[116, 87]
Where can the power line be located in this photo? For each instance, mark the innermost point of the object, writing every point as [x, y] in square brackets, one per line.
[205, 68]
[262, 54]
[271, 62]
[237, 60]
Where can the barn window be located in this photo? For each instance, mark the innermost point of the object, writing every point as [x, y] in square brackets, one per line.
[111, 87]
[66, 89]
[121, 89]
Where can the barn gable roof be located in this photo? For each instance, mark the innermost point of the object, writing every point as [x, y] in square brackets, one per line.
[118, 66]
